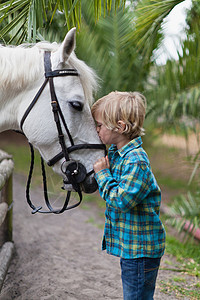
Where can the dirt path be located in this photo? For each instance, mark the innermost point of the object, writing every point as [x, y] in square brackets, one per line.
[59, 257]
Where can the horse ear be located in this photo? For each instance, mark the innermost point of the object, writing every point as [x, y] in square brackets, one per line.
[68, 45]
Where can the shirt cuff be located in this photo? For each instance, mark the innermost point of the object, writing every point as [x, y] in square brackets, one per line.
[102, 176]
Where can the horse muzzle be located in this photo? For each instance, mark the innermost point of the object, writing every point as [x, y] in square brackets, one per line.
[77, 178]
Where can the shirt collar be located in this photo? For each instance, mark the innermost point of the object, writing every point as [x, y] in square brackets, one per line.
[133, 144]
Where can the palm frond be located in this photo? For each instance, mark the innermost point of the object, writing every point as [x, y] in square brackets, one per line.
[149, 16]
[27, 17]
[105, 47]
[185, 212]
[175, 87]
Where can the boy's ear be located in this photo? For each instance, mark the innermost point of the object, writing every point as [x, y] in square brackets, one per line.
[121, 126]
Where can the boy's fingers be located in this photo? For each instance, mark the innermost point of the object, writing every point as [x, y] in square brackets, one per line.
[107, 160]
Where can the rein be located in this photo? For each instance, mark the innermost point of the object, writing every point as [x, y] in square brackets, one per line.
[74, 171]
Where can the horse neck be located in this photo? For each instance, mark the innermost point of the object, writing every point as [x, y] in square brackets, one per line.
[9, 107]
[16, 84]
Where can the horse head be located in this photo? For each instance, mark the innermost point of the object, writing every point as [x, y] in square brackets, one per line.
[64, 137]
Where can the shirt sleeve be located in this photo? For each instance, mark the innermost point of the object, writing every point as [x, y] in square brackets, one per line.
[132, 188]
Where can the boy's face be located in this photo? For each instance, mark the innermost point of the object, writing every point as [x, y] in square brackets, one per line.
[106, 135]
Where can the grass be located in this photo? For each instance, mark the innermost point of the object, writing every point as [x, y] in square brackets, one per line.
[170, 182]
[187, 255]
[93, 222]
[183, 250]
[180, 290]
[165, 159]
[22, 159]
[178, 279]
[184, 280]
[95, 198]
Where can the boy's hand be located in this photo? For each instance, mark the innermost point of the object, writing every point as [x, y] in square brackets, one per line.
[102, 163]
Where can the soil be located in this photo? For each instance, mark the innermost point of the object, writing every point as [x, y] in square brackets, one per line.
[60, 257]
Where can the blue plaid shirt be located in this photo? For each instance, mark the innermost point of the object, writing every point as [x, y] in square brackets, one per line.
[132, 227]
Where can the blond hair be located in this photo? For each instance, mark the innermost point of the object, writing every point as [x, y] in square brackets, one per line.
[128, 107]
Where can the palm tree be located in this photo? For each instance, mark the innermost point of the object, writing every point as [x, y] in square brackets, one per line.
[22, 19]
[175, 92]
[116, 44]
[105, 48]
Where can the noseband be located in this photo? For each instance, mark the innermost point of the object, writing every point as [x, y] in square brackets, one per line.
[74, 171]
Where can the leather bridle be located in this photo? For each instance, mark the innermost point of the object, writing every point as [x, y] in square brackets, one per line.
[74, 171]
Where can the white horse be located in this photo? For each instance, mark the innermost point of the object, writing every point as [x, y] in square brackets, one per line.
[22, 75]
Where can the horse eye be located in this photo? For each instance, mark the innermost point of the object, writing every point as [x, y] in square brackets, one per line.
[76, 105]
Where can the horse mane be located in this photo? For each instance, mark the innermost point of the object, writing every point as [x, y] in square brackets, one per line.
[16, 61]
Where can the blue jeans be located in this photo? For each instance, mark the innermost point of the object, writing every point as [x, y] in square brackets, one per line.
[139, 277]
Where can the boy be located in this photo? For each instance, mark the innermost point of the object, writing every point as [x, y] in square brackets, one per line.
[133, 230]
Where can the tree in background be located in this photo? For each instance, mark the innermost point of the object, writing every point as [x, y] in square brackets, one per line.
[23, 19]
[106, 48]
[174, 90]
[115, 45]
